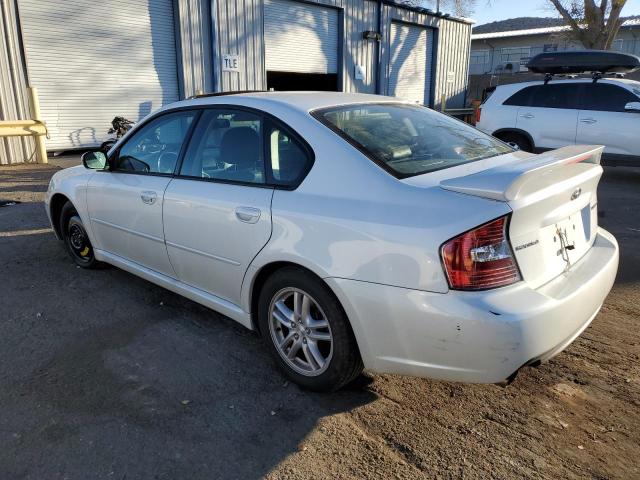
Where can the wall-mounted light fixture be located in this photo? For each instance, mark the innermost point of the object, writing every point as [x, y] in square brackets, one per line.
[371, 35]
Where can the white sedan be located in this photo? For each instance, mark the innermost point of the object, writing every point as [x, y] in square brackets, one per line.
[352, 231]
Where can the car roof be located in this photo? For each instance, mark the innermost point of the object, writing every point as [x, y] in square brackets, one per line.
[301, 101]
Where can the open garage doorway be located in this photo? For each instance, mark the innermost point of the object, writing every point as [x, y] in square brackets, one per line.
[301, 46]
[292, 81]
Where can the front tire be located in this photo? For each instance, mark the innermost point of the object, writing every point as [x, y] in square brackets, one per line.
[76, 239]
[307, 331]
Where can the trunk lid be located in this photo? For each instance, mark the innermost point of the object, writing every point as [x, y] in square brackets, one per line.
[553, 197]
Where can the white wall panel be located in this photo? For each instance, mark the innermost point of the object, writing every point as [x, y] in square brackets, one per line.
[411, 56]
[300, 37]
[94, 60]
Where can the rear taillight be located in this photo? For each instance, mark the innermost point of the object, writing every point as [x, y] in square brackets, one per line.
[478, 114]
[480, 258]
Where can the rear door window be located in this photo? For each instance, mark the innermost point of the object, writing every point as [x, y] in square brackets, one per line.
[289, 159]
[226, 146]
[520, 98]
[564, 95]
[605, 97]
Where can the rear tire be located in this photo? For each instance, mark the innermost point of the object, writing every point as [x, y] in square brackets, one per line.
[76, 239]
[518, 139]
[313, 346]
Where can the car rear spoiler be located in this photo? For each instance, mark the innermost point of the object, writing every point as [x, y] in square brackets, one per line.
[517, 179]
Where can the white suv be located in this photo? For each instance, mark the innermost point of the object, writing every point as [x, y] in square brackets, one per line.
[536, 116]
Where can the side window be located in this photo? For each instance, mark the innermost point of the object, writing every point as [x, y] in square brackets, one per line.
[289, 159]
[564, 95]
[606, 97]
[226, 145]
[156, 146]
[520, 98]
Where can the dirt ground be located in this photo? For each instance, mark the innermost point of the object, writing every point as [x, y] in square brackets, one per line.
[103, 375]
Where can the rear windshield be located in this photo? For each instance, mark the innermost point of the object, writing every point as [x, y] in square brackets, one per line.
[408, 140]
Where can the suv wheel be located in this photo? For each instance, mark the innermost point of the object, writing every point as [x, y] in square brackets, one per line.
[516, 140]
[307, 331]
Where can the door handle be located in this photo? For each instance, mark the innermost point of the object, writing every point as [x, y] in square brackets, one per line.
[589, 120]
[248, 214]
[527, 115]
[148, 197]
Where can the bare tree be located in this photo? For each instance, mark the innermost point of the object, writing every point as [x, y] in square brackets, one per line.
[595, 26]
[460, 8]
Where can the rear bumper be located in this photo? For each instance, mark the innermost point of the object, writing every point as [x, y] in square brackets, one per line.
[480, 337]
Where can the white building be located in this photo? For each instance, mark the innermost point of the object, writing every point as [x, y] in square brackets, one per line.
[507, 51]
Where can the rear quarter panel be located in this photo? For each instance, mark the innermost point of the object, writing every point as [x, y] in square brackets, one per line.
[351, 219]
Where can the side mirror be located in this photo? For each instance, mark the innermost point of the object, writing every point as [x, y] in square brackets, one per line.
[94, 160]
[632, 107]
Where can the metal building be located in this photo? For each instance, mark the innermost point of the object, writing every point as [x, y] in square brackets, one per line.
[92, 61]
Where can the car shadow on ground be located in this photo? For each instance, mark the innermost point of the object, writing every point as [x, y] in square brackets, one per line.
[104, 372]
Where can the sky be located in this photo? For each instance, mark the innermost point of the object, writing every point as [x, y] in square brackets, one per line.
[503, 9]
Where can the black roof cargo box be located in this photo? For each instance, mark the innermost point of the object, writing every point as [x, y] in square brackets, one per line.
[582, 61]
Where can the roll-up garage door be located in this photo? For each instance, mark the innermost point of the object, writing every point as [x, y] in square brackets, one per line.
[94, 60]
[410, 62]
[300, 37]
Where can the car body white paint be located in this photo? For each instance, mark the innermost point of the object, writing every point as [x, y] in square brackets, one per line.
[374, 239]
[556, 127]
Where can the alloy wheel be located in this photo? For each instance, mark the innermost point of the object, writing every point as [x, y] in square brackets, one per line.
[300, 331]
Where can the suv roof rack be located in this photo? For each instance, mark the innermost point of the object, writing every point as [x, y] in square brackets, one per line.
[222, 94]
[595, 76]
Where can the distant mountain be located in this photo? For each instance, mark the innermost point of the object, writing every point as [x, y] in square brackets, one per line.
[521, 23]
[524, 23]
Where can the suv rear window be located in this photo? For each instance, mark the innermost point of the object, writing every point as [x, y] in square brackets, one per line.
[408, 140]
[605, 97]
[564, 95]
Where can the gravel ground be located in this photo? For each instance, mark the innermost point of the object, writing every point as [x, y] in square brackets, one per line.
[104, 375]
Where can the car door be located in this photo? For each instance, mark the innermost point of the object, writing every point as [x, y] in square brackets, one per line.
[217, 212]
[549, 113]
[604, 121]
[125, 201]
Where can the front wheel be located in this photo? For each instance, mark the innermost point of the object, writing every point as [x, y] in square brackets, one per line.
[76, 239]
[307, 331]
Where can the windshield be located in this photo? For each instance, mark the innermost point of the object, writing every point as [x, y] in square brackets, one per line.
[408, 140]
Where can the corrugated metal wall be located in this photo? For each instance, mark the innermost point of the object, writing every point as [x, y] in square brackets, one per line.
[360, 16]
[193, 21]
[239, 30]
[452, 63]
[14, 103]
[208, 29]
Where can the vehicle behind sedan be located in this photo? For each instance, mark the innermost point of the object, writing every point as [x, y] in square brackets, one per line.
[544, 115]
[352, 231]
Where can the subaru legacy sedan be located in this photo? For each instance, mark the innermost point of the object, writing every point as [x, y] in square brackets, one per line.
[351, 231]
